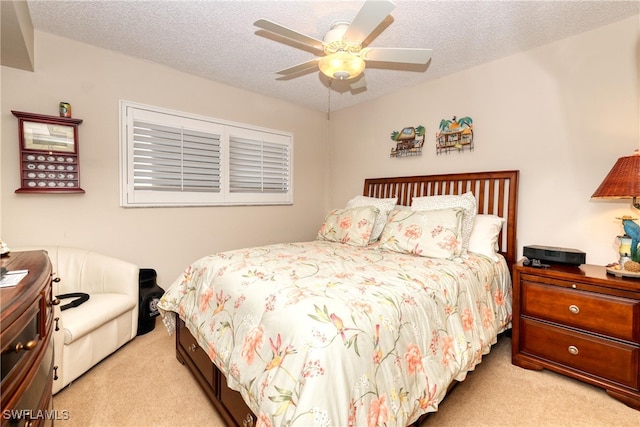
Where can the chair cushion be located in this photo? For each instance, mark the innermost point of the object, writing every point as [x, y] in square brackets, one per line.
[90, 315]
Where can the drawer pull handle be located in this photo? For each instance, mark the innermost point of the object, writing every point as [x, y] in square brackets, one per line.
[57, 319]
[573, 350]
[193, 347]
[574, 309]
[29, 345]
[248, 421]
[55, 301]
[55, 373]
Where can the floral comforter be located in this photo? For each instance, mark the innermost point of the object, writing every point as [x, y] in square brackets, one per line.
[322, 333]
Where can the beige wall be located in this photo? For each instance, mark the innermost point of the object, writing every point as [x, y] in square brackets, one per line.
[94, 80]
[562, 114]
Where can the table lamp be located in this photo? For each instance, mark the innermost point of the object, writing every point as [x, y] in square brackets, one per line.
[623, 182]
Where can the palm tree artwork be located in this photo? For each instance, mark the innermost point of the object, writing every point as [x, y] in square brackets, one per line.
[409, 141]
[455, 135]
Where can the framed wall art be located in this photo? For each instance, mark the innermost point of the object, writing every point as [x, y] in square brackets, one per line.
[49, 161]
[409, 142]
[455, 135]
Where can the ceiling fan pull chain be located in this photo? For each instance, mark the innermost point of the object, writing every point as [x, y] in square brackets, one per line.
[329, 102]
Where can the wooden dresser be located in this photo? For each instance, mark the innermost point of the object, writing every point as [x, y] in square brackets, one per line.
[26, 320]
[580, 322]
[229, 403]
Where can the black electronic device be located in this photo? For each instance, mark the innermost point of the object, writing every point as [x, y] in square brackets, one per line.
[555, 254]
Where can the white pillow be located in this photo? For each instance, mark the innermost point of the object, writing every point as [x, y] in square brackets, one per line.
[351, 226]
[384, 207]
[434, 233]
[484, 236]
[466, 201]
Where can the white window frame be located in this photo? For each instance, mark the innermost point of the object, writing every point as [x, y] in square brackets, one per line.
[281, 195]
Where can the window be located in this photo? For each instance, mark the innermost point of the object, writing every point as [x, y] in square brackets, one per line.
[171, 158]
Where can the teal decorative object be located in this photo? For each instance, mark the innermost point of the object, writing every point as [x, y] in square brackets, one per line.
[632, 229]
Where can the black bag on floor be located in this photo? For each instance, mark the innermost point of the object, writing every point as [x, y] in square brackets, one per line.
[150, 294]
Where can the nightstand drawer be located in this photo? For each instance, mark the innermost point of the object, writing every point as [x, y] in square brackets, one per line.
[608, 315]
[612, 360]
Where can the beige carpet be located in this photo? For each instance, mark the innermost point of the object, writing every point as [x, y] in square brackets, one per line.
[143, 385]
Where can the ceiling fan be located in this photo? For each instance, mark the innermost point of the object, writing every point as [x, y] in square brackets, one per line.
[341, 52]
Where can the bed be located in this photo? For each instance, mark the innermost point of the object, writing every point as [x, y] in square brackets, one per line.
[398, 298]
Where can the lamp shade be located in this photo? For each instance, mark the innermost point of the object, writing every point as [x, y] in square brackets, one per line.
[341, 65]
[623, 181]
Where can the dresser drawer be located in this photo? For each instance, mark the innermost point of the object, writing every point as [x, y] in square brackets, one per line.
[608, 359]
[21, 342]
[235, 404]
[608, 315]
[27, 410]
[193, 350]
[26, 362]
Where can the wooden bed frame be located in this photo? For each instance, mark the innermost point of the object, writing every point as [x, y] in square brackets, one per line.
[495, 192]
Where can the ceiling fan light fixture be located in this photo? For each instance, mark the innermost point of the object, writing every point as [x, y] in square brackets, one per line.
[341, 65]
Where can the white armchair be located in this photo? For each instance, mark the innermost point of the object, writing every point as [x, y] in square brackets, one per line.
[86, 334]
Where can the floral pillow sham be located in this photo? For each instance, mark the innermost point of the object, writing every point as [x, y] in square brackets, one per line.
[433, 233]
[352, 226]
[466, 201]
[385, 206]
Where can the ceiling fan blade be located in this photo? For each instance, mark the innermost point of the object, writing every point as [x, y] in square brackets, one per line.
[300, 68]
[289, 33]
[361, 83]
[368, 18]
[407, 56]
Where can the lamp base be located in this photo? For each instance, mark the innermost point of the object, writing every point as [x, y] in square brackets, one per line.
[622, 272]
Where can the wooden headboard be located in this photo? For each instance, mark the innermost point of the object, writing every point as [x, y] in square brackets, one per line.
[495, 192]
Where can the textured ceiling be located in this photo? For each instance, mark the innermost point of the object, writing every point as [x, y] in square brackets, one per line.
[217, 39]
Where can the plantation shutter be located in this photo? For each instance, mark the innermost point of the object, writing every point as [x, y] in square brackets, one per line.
[171, 158]
[167, 158]
[258, 166]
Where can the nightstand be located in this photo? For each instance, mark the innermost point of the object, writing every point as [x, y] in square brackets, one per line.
[580, 322]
